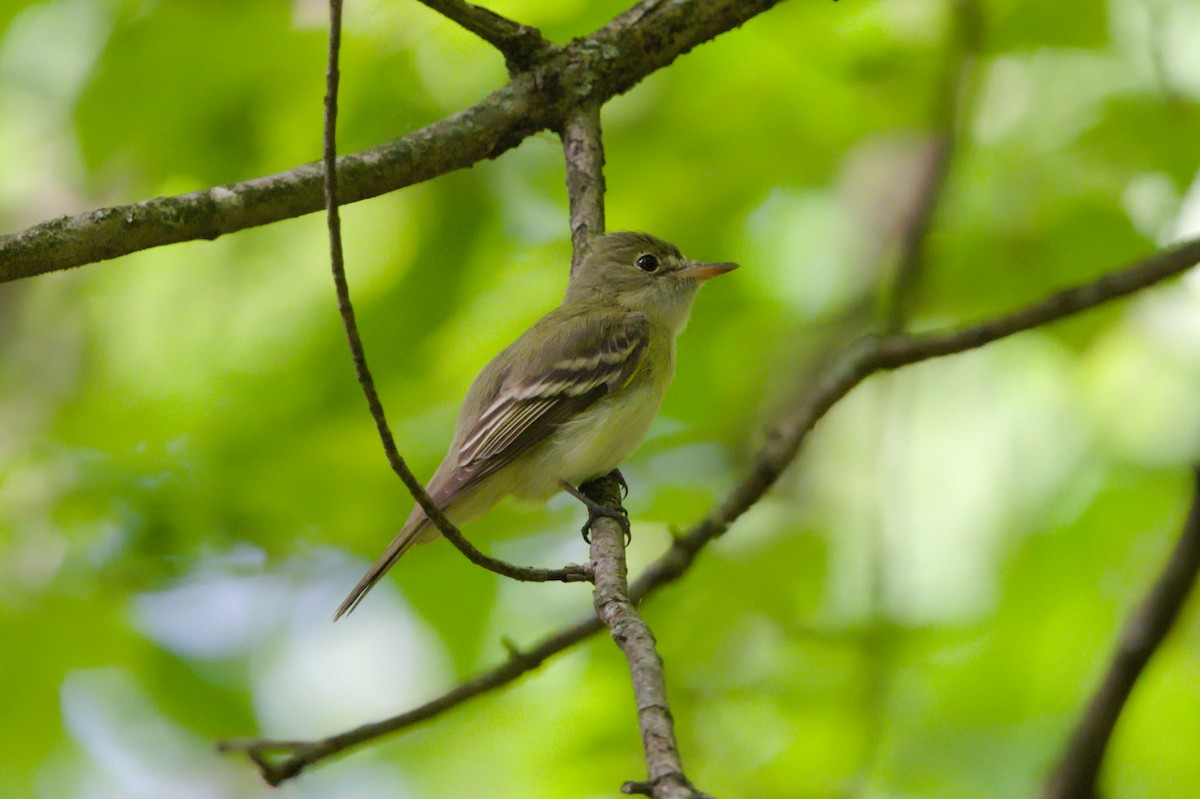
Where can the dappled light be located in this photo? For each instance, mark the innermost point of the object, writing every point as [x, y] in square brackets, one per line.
[921, 604]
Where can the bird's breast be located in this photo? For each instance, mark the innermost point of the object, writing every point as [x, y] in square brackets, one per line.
[598, 439]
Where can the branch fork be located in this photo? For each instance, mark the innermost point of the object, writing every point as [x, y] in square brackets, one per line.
[522, 46]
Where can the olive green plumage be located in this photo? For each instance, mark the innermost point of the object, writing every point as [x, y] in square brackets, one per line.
[570, 398]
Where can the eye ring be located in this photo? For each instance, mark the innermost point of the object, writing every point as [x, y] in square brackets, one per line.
[648, 263]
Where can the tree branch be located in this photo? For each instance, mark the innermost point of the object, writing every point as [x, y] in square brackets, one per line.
[279, 761]
[583, 149]
[631, 633]
[521, 45]
[596, 67]
[860, 360]
[898, 351]
[1145, 630]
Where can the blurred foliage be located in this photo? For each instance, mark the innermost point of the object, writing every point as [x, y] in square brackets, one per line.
[189, 480]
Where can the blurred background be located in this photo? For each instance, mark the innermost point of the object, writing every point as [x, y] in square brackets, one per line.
[190, 482]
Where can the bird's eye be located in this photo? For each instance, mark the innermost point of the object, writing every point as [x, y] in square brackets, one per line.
[648, 263]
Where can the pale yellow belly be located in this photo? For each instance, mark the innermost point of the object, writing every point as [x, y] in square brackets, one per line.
[591, 445]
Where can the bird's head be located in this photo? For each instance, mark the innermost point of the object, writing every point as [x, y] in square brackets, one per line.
[642, 273]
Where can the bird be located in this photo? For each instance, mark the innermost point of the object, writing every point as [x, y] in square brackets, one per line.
[572, 397]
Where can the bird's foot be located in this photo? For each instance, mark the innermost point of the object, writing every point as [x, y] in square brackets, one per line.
[596, 510]
[616, 513]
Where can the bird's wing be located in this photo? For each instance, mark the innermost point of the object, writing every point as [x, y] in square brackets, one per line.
[599, 356]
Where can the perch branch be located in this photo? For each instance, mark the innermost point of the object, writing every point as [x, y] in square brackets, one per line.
[570, 573]
[1145, 630]
[583, 149]
[631, 633]
[859, 362]
[521, 45]
[597, 67]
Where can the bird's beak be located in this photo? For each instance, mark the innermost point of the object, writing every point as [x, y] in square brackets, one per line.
[703, 272]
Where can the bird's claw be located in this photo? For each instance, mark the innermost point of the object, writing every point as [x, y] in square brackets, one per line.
[597, 511]
[616, 513]
[620, 478]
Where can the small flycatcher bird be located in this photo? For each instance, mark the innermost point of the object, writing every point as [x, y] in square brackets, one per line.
[572, 397]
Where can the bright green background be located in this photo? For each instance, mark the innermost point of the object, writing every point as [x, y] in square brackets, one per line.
[189, 480]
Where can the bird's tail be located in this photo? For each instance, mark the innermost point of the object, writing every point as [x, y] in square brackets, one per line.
[410, 534]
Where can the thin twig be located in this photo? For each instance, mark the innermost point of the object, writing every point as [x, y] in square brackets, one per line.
[898, 351]
[603, 64]
[521, 45]
[292, 757]
[647, 788]
[949, 107]
[583, 149]
[636, 641]
[1145, 630]
[570, 573]
[857, 363]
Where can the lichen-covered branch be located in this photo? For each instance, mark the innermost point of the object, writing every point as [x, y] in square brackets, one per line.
[595, 68]
[583, 149]
[495, 124]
